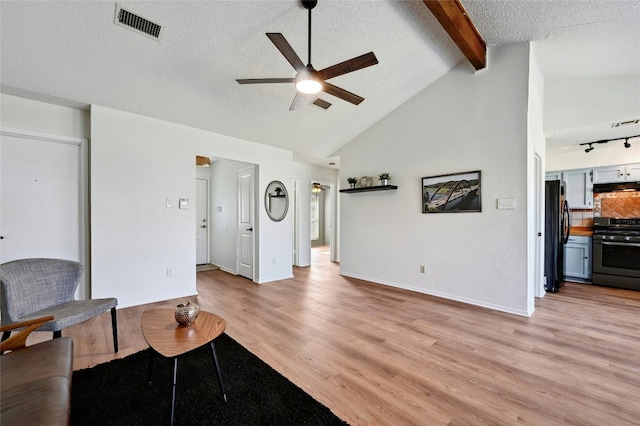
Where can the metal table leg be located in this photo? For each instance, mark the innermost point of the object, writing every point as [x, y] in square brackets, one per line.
[215, 360]
[173, 391]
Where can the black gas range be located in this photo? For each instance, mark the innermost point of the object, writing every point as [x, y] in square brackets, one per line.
[616, 252]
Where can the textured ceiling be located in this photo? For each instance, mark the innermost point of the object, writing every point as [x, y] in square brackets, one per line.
[72, 53]
[572, 39]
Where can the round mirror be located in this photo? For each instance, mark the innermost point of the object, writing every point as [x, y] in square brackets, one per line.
[276, 201]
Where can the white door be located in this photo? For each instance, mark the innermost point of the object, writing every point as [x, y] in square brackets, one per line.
[202, 224]
[42, 198]
[245, 254]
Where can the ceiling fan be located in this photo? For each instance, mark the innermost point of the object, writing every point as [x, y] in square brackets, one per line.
[309, 81]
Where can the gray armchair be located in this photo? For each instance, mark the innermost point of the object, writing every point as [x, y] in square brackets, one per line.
[32, 288]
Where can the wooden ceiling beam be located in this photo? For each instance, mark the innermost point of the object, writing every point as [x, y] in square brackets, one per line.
[454, 19]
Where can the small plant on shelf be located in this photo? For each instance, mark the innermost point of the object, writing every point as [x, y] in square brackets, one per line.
[384, 178]
[352, 182]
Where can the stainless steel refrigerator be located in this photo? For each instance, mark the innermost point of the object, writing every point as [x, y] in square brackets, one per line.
[557, 226]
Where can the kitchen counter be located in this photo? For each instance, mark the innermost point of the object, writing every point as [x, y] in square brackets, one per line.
[581, 232]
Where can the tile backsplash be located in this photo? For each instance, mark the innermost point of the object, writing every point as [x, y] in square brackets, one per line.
[616, 204]
[581, 218]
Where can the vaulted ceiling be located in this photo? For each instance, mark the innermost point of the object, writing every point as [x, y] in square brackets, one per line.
[72, 53]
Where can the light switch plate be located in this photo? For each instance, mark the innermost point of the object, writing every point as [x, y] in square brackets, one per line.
[506, 203]
[184, 204]
[169, 203]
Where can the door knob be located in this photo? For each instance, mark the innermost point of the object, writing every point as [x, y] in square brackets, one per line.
[203, 226]
[250, 229]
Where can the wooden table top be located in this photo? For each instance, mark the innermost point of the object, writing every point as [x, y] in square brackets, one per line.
[163, 333]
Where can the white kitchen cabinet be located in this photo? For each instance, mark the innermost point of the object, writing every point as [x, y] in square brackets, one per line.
[577, 258]
[633, 172]
[609, 174]
[579, 188]
[613, 174]
[553, 175]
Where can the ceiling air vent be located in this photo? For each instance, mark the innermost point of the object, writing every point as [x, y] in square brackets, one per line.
[137, 23]
[321, 103]
[625, 123]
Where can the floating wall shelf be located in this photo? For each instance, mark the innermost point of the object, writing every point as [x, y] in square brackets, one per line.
[370, 188]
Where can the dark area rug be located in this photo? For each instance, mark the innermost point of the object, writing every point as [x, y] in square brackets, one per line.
[117, 392]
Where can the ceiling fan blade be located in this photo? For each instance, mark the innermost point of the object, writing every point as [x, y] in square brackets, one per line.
[264, 80]
[298, 100]
[287, 51]
[341, 93]
[350, 65]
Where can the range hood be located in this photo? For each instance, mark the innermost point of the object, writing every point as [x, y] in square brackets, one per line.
[599, 188]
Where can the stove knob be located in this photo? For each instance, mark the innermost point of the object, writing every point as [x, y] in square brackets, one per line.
[627, 238]
[612, 237]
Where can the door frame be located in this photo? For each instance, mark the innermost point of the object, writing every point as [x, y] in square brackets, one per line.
[84, 288]
[334, 219]
[295, 222]
[301, 199]
[332, 200]
[539, 225]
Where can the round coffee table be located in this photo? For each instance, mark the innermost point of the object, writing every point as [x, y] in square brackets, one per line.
[170, 339]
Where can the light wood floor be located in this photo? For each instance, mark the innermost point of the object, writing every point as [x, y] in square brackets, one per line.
[378, 355]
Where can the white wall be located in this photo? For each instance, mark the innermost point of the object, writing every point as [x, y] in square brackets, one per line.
[463, 122]
[25, 114]
[137, 163]
[582, 102]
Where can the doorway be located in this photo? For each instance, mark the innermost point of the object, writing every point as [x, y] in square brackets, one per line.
[321, 229]
[228, 220]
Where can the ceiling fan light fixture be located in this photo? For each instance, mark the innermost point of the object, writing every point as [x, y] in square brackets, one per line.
[308, 87]
[308, 82]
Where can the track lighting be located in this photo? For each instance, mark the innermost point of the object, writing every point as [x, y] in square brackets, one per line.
[626, 143]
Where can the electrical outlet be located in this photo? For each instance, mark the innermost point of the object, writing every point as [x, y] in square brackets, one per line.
[169, 273]
[422, 269]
